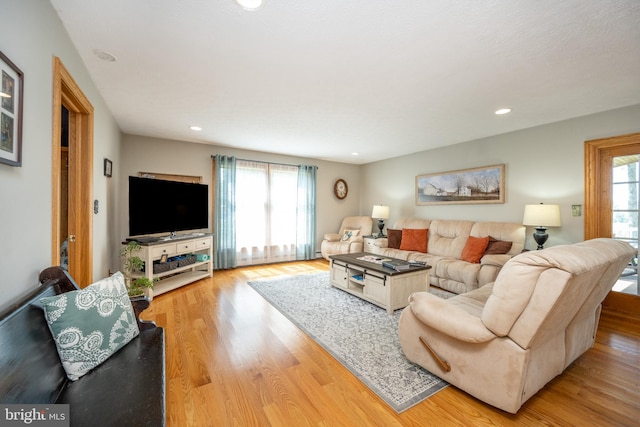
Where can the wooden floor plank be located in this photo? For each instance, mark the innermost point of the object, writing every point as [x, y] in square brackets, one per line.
[234, 360]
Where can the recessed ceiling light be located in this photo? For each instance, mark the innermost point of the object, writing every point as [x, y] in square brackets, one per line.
[105, 56]
[354, 154]
[250, 4]
[195, 128]
[503, 111]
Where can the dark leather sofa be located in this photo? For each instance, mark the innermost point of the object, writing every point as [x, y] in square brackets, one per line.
[128, 389]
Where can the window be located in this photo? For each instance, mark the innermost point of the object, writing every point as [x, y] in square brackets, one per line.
[625, 198]
[266, 206]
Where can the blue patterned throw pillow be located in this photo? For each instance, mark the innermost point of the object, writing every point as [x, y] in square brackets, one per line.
[91, 324]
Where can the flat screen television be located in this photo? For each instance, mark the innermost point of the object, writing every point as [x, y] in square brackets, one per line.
[160, 206]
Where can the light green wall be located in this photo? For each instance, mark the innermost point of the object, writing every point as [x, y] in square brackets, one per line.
[543, 164]
[143, 154]
[32, 36]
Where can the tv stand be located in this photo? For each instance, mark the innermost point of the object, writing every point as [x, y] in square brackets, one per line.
[169, 237]
[156, 248]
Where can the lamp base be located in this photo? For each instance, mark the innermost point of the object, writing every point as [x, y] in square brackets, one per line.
[380, 226]
[540, 236]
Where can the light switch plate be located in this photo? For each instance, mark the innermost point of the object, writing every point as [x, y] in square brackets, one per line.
[576, 210]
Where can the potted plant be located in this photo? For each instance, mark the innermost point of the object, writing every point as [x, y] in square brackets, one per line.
[132, 263]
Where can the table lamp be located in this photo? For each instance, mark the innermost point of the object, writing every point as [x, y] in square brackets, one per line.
[541, 216]
[381, 213]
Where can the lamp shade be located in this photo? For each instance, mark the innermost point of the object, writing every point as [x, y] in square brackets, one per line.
[542, 215]
[380, 212]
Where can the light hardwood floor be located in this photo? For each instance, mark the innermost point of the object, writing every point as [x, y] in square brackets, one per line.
[234, 360]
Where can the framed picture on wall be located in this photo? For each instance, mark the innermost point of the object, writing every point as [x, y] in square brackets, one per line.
[478, 185]
[11, 90]
[108, 168]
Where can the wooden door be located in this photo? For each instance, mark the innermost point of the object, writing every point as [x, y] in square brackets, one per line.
[80, 177]
[599, 155]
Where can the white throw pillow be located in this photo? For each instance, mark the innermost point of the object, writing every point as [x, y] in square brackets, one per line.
[349, 235]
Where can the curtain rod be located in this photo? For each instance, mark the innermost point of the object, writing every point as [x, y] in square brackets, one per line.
[213, 156]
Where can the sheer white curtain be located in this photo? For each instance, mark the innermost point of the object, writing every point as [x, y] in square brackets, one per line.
[266, 203]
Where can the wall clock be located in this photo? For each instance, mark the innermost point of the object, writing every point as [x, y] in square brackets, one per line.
[340, 189]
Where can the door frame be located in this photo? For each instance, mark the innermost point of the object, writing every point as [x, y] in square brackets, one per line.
[81, 116]
[597, 199]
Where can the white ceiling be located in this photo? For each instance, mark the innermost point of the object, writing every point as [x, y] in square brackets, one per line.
[326, 78]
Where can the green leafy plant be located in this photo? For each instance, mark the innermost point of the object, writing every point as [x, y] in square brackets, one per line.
[131, 264]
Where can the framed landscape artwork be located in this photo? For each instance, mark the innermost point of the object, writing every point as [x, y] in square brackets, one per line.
[479, 185]
[11, 90]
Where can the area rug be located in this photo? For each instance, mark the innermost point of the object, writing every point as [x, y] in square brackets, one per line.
[360, 335]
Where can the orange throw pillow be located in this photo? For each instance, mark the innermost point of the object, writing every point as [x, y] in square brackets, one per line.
[414, 240]
[474, 249]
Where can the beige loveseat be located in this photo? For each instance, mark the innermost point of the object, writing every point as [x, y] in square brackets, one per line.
[446, 241]
[505, 341]
[339, 243]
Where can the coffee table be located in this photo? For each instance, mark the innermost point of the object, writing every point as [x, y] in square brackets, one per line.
[363, 275]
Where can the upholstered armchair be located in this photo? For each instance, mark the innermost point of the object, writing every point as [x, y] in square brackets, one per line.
[504, 341]
[348, 239]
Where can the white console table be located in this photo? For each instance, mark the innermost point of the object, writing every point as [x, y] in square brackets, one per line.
[175, 278]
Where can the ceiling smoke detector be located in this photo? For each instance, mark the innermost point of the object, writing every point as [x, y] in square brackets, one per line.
[105, 56]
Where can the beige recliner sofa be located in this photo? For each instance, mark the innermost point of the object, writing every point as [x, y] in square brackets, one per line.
[446, 241]
[504, 341]
[336, 243]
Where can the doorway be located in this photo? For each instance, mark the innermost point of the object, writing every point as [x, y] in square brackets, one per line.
[72, 177]
[612, 205]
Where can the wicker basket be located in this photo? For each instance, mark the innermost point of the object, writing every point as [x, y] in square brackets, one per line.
[161, 267]
[187, 260]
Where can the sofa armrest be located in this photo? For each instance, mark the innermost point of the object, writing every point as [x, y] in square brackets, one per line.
[495, 260]
[449, 319]
[332, 237]
[140, 304]
[355, 247]
[60, 277]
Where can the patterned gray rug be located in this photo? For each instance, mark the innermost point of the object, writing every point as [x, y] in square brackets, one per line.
[360, 335]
